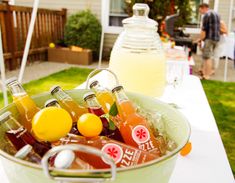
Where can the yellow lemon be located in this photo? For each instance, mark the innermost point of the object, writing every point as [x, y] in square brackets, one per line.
[52, 45]
[89, 125]
[51, 123]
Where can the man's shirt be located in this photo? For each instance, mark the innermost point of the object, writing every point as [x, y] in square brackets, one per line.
[211, 25]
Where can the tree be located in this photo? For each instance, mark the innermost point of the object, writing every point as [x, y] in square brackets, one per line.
[159, 9]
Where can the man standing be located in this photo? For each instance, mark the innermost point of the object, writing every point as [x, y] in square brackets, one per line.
[210, 34]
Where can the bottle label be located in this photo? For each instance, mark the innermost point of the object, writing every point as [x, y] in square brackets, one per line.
[140, 134]
[123, 157]
[114, 151]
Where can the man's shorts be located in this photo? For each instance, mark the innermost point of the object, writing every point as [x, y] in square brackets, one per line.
[209, 48]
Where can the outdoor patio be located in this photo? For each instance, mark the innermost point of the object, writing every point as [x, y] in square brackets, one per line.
[182, 133]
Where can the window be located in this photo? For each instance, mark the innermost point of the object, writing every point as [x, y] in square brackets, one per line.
[113, 12]
[195, 17]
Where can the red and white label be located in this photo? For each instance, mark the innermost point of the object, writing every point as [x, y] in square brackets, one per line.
[114, 151]
[140, 134]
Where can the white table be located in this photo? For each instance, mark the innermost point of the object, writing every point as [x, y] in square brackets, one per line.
[208, 162]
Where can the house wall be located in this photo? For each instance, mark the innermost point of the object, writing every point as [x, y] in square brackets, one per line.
[223, 10]
[72, 5]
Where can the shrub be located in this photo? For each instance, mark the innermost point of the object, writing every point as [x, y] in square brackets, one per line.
[83, 29]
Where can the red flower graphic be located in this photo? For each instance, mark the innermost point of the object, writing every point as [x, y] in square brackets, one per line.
[112, 152]
[141, 134]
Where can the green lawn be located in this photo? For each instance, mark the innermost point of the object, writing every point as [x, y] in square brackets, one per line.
[67, 79]
[221, 97]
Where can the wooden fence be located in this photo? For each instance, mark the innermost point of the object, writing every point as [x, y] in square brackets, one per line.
[49, 27]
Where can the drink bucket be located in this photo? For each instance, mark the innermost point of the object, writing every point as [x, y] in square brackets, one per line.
[159, 170]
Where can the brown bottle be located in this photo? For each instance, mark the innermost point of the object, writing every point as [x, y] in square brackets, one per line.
[19, 136]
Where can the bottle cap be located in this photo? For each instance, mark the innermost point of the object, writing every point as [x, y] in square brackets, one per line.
[10, 80]
[64, 159]
[94, 83]
[88, 95]
[50, 102]
[5, 116]
[24, 151]
[54, 89]
[116, 88]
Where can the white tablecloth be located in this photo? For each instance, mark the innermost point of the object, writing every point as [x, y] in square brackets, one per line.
[229, 46]
[208, 162]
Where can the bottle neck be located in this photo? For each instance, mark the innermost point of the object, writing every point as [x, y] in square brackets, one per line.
[120, 96]
[11, 124]
[93, 103]
[98, 88]
[16, 89]
[61, 95]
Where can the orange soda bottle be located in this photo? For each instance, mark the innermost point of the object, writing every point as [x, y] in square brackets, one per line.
[66, 102]
[25, 105]
[122, 154]
[134, 128]
[104, 96]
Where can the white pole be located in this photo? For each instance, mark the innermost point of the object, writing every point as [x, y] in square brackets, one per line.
[101, 47]
[2, 67]
[229, 29]
[102, 32]
[28, 40]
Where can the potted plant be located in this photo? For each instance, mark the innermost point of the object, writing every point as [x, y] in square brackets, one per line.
[82, 38]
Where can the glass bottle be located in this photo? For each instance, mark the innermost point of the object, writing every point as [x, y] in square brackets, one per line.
[95, 108]
[122, 154]
[25, 105]
[137, 57]
[67, 159]
[134, 128]
[55, 103]
[66, 102]
[19, 136]
[28, 154]
[104, 96]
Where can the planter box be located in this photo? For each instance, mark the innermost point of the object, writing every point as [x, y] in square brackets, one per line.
[65, 55]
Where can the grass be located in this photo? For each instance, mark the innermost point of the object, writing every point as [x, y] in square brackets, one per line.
[67, 79]
[221, 97]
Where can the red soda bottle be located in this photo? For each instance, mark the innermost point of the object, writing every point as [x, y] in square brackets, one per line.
[134, 128]
[122, 154]
[95, 108]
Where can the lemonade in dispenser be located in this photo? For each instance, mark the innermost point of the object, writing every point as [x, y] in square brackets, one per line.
[137, 57]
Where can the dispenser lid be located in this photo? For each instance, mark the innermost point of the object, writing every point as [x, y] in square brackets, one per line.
[140, 17]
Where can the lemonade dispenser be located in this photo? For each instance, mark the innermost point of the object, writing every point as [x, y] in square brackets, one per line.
[137, 57]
